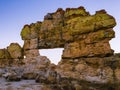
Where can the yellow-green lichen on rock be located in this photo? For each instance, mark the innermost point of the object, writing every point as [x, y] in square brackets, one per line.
[66, 25]
[5, 58]
[38, 25]
[34, 30]
[80, 25]
[87, 61]
[103, 20]
[75, 11]
[102, 34]
[15, 51]
[47, 25]
[31, 31]
[4, 54]
[25, 33]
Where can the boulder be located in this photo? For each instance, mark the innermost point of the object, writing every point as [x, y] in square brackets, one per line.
[25, 33]
[15, 51]
[13, 73]
[30, 31]
[29, 75]
[81, 49]
[48, 77]
[35, 65]
[5, 58]
[4, 54]
[13, 78]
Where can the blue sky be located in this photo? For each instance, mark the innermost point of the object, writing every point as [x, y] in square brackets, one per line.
[14, 14]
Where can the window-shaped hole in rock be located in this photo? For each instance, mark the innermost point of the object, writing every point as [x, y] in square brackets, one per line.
[53, 54]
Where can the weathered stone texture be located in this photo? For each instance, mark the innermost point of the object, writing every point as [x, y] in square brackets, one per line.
[30, 44]
[81, 49]
[31, 53]
[15, 51]
[76, 28]
[12, 55]
[87, 59]
[4, 54]
[87, 54]
[30, 32]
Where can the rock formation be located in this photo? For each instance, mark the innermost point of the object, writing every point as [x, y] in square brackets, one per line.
[88, 62]
[12, 55]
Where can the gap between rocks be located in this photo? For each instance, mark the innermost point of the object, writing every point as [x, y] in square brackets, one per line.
[53, 54]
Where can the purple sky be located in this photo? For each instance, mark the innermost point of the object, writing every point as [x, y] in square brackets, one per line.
[14, 14]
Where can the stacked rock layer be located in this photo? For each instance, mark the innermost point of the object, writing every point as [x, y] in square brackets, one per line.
[87, 54]
[87, 58]
[12, 55]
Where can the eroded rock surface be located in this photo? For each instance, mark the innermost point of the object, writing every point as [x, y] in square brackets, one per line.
[12, 55]
[88, 62]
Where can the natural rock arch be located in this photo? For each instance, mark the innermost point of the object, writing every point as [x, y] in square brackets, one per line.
[85, 38]
[75, 30]
[87, 59]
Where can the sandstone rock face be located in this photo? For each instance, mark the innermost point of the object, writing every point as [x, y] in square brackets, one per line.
[5, 58]
[12, 55]
[75, 30]
[30, 32]
[4, 54]
[15, 51]
[88, 62]
[34, 65]
[87, 54]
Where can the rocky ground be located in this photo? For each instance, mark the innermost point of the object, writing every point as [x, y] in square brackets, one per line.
[21, 85]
